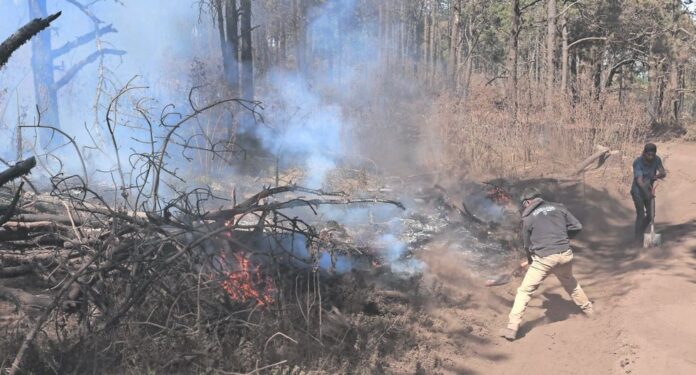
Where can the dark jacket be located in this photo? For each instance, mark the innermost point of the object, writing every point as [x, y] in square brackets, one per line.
[546, 227]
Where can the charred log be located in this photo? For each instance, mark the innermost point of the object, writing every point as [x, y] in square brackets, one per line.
[20, 169]
[23, 35]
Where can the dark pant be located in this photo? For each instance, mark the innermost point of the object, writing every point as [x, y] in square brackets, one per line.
[644, 213]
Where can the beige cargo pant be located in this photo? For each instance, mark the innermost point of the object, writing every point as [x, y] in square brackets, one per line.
[560, 265]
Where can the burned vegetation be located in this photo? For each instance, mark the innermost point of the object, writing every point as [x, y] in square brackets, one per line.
[154, 273]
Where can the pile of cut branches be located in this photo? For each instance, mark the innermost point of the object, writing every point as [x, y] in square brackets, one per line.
[97, 263]
[181, 285]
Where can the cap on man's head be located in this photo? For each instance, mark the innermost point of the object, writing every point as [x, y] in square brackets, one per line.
[650, 147]
[529, 194]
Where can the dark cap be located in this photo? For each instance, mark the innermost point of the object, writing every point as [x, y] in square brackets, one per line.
[529, 194]
[650, 147]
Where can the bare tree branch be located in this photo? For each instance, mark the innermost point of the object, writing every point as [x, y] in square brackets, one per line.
[70, 74]
[83, 39]
[571, 45]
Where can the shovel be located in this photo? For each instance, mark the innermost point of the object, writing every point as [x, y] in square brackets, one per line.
[652, 239]
[505, 278]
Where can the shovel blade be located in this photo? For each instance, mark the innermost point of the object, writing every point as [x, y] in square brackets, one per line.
[652, 240]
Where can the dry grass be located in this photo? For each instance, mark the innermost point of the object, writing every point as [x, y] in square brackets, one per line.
[479, 134]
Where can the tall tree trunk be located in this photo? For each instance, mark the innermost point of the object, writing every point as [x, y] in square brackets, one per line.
[45, 90]
[247, 54]
[675, 65]
[455, 32]
[283, 45]
[425, 52]
[596, 57]
[468, 44]
[227, 29]
[381, 29]
[432, 65]
[564, 53]
[550, 48]
[512, 56]
[221, 33]
[262, 56]
[232, 38]
[401, 52]
[300, 36]
[388, 37]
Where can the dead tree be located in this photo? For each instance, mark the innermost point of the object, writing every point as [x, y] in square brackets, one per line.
[512, 57]
[227, 23]
[46, 86]
[247, 61]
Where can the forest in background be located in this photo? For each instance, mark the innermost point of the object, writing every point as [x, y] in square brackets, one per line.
[457, 81]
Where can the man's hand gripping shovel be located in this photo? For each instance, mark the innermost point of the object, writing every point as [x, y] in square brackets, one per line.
[652, 239]
[505, 278]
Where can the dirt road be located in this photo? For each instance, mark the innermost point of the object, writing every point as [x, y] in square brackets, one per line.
[645, 298]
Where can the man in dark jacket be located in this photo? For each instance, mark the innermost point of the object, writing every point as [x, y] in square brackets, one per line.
[546, 229]
[647, 169]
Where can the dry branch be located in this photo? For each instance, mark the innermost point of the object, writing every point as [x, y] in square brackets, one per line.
[20, 169]
[11, 209]
[41, 217]
[245, 208]
[463, 210]
[23, 35]
[600, 156]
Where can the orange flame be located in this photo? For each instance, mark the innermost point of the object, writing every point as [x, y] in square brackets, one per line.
[248, 283]
[498, 194]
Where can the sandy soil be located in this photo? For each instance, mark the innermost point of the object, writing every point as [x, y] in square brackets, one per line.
[645, 298]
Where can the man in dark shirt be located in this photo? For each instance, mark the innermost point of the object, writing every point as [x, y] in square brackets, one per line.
[546, 229]
[647, 169]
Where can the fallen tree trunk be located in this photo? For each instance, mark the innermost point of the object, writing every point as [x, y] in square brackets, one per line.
[16, 271]
[45, 238]
[36, 256]
[22, 299]
[57, 219]
[44, 226]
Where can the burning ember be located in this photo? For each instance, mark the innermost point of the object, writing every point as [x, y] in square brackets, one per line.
[247, 283]
[498, 194]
